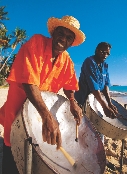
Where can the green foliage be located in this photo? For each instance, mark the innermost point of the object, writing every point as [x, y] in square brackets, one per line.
[3, 14]
[20, 37]
[8, 44]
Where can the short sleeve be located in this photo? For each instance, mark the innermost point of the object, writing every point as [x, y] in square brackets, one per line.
[28, 63]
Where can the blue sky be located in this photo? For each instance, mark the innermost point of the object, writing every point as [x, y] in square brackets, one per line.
[100, 20]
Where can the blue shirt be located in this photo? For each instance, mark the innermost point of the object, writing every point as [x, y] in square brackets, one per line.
[92, 77]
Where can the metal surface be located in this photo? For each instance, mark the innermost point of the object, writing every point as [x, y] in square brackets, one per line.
[88, 152]
[113, 128]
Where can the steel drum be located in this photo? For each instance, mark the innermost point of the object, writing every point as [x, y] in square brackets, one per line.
[88, 152]
[112, 128]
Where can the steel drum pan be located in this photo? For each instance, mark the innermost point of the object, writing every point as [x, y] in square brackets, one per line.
[112, 128]
[29, 149]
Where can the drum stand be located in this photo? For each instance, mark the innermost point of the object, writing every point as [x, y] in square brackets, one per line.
[121, 160]
[122, 149]
[28, 156]
[28, 149]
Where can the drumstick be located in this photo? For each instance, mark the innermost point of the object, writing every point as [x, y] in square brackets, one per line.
[69, 158]
[76, 132]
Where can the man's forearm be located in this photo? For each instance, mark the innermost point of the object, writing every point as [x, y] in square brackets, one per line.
[99, 98]
[106, 94]
[69, 93]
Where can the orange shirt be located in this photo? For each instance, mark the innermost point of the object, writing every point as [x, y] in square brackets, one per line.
[33, 66]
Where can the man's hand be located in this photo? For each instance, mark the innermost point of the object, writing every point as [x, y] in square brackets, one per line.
[114, 108]
[76, 111]
[109, 112]
[50, 131]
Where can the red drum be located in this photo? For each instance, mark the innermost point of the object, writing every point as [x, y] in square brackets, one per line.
[38, 157]
[112, 128]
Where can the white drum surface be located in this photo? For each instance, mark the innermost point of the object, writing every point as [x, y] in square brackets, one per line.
[88, 152]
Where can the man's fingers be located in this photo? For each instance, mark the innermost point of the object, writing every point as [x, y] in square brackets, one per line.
[44, 134]
[51, 133]
[48, 137]
[116, 112]
[53, 137]
[112, 115]
[78, 121]
[78, 117]
[114, 108]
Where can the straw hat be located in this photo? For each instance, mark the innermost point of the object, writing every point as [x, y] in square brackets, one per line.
[69, 22]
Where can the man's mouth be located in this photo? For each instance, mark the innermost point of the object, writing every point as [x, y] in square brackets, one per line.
[104, 59]
[60, 45]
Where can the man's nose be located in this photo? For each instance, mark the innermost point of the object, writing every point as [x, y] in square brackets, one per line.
[63, 38]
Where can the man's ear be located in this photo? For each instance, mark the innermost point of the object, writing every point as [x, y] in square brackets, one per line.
[52, 34]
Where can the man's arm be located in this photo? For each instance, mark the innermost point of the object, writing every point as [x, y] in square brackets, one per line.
[106, 94]
[99, 98]
[50, 130]
[74, 108]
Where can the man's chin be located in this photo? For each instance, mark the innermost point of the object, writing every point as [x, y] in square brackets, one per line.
[57, 52]
[60, 50]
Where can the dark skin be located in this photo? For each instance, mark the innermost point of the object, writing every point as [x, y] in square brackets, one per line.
[62, 40]
[110, 110]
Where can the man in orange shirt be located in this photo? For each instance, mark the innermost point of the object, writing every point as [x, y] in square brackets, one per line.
[42, 64]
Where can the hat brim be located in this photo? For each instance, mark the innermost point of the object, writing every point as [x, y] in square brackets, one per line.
[55, 22]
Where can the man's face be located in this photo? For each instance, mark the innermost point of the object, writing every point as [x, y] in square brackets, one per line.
[62, 39]
[102, 53]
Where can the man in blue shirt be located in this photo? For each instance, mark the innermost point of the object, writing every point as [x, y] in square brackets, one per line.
[94, 78]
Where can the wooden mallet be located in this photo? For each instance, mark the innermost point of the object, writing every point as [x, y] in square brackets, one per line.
[76, 132]
[69, 158]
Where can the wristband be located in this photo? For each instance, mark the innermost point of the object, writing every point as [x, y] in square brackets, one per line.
[72, 99]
